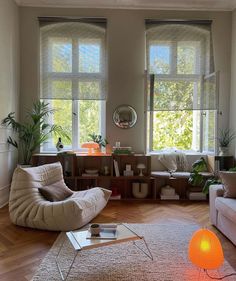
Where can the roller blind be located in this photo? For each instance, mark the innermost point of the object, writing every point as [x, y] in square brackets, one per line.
[180, 66]
[73, 59]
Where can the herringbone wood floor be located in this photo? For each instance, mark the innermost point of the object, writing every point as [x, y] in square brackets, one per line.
[22, 249]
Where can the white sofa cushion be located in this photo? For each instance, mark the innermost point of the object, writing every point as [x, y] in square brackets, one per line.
[227, 207]
[161, 174]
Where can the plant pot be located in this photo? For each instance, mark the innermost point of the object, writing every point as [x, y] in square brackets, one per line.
[223, 150]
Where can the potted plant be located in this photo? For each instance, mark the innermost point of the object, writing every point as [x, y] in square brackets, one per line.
[98, 139]
[196, 178]
[225, 138]
[34, 131]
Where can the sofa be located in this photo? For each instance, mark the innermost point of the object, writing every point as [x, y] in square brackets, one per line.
[223, 212]
[160, 170]
[28, 208]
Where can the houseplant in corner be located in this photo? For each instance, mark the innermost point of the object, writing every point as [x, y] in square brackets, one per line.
[34, 131]
[225, 138]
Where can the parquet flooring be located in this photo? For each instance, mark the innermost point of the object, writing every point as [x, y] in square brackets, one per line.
[22, 249]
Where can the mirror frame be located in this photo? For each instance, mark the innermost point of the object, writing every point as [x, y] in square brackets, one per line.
[125, 123]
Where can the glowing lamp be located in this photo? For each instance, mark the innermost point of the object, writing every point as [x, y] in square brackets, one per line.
[91, 145]
[205, 250]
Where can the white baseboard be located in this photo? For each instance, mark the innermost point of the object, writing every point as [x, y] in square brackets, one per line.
[4, 195]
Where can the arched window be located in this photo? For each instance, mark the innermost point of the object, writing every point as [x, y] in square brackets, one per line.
[182, 100]
[73, 76]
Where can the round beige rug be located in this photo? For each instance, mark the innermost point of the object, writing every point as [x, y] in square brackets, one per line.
[125, 262]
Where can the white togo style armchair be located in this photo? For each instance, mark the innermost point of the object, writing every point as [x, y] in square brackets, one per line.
[29, 208]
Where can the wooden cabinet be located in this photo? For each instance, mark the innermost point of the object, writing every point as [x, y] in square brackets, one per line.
[220, 163]
[76, 165]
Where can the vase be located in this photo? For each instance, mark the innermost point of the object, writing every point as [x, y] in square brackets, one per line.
[59, 145]
[140, 190]
[223, 150]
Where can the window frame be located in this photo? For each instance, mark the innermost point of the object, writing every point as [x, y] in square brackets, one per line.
[174, 76]
[75, 77]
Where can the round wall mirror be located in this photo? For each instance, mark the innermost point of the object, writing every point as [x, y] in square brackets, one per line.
[125, 116]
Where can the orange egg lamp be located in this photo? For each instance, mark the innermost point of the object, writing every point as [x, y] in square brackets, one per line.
[91, 145]
[205, 250]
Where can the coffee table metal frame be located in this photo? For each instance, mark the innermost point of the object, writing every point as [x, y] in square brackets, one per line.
[77, 247]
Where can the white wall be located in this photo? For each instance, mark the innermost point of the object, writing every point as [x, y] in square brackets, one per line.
[126, 53]
[9, 88]
[233, 82]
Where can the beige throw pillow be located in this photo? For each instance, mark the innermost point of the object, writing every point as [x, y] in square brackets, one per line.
[57, 191]
[229, 182]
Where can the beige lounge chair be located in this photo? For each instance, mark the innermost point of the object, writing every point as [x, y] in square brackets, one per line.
[30, 209]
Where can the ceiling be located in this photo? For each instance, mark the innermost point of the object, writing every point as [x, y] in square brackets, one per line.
[225, 5]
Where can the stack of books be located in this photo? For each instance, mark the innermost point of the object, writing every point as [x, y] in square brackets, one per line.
[126, 150]
[168, 193]
[196, 196]
[195, 193]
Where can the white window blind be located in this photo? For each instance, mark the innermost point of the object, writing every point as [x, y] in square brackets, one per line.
[179, 61]
[73, 60]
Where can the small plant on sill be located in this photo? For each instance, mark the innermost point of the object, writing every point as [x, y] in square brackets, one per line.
[98, 139]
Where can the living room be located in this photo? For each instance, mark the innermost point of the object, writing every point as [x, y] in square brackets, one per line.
[126, 50]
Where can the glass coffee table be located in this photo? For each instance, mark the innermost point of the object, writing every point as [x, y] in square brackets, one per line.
[79, 241]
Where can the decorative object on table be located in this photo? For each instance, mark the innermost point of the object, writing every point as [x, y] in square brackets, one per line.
[125, 116]
[226, 136]
[90, 173]
[168, 193]
[205, 250]
[106, 170]
[108, 149]
[35, 131]
[117, 144]
[128, 172]
[116, 168]
[167, 190]
[102, 142]
[126, 150]
[59, 145]
[141, 167]
[94, 229]
[91, 146]
[128, 167]
[140, 190]
[102, 231]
